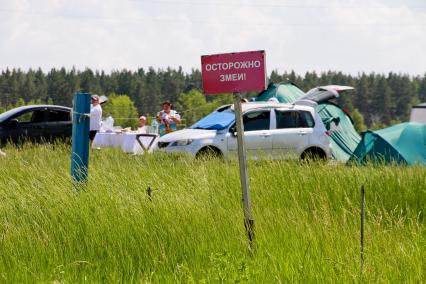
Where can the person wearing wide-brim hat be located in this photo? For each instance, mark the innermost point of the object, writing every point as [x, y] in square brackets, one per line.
[95, 117]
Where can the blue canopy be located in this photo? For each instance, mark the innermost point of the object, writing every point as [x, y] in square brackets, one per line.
[216, 120]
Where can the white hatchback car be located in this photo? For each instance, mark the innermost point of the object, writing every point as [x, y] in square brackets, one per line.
[279, 131]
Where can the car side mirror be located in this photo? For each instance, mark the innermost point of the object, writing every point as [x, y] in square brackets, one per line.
[13, 123]
[233, 131]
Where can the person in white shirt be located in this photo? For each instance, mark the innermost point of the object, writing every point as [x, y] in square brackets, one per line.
[142, 124]
[95, 117]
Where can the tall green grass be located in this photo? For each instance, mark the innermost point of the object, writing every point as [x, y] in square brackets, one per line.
[191, 228]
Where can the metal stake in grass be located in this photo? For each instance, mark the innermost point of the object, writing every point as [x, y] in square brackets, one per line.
[248, 217]
[149, 192]
[362, 226]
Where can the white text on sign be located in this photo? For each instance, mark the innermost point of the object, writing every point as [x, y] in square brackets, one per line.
[233, 72]
[232, 77]
[233, 65]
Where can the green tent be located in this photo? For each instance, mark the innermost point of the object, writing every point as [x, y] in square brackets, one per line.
[403, 143]
[344, 137]
[283, 92]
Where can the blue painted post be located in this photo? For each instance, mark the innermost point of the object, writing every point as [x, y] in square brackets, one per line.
[80, 138]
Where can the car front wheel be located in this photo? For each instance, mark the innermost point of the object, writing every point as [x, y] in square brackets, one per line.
[209, 152]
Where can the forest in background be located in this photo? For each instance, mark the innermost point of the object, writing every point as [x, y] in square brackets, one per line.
[380, 99]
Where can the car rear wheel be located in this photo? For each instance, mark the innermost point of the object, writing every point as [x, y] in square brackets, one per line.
[313, 154]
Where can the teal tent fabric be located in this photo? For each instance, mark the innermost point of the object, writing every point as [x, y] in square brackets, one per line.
[283, 92]
[403, 143]
[344, 137]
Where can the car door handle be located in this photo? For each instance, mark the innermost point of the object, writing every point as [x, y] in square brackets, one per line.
[303, 132]
[266, 134]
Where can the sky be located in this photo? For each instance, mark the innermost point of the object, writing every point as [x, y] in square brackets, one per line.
[351, 36]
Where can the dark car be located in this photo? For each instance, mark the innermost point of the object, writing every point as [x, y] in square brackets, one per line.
[36, 123]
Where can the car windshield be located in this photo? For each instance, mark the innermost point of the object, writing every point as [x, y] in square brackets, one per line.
[9, 113]
[218, 119]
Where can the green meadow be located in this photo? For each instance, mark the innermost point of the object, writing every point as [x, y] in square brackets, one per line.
[190, 228]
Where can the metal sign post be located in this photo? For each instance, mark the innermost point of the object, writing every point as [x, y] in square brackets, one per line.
[248, 216]
[237, 72]
[80, 138]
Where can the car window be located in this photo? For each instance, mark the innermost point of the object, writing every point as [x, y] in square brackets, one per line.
[33, 116]
[307, 119]
[294, 119]
[24, 117]
[257, 120]
[59, 115]
[38, 116]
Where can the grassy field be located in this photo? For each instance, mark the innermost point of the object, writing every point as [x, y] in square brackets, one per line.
[191, 231]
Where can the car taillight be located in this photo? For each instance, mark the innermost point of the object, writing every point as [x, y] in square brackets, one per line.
[328, 133]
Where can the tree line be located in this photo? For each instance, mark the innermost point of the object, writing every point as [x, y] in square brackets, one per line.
[382, 99]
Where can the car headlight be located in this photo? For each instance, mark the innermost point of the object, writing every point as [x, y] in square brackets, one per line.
[183, 142]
